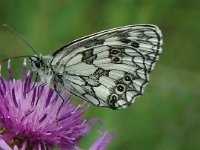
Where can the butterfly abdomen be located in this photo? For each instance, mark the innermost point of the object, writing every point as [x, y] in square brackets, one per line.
[108, 68]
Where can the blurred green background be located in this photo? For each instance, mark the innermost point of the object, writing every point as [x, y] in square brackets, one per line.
[167, 116]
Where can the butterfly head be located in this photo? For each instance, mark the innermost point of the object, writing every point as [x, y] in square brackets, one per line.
[36, 62]
[39, 62]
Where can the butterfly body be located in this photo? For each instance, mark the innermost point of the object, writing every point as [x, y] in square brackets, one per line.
[108, 68]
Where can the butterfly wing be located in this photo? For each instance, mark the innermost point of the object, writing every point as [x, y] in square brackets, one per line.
[109, 68]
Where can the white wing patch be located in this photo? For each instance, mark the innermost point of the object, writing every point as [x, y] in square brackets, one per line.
[109, 68]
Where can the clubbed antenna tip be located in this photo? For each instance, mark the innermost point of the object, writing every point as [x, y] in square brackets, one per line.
[21, 38]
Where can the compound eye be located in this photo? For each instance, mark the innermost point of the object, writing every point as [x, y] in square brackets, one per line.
[37, 64]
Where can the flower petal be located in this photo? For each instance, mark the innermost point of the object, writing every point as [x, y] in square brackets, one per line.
[35, 113]
[90, 124]
[4, 145]
[102, 142]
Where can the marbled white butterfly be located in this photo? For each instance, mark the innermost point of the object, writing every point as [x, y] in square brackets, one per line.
[108, 68]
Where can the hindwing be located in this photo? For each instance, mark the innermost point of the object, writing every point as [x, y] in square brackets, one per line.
[109, 68]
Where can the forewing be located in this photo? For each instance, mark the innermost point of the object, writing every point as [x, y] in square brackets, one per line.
[109, 68]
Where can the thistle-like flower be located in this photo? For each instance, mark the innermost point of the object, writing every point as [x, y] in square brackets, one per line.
[100, 144]
[33, 116]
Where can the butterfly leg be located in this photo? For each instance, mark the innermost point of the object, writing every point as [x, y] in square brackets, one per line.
[34, 83]
[63, 101]
[38, 92]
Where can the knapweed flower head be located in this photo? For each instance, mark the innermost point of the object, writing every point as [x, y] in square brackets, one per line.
[100, 144]
[33, 116]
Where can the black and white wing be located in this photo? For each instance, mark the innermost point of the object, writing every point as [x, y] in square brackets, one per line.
[109, 68]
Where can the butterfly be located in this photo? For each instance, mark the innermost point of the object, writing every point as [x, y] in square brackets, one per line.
[108, 69]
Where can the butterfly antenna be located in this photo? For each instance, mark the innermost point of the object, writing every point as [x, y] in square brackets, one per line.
[5, 60]
[21, 38]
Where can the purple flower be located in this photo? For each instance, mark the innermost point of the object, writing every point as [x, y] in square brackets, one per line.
[33, 116]
[100, 143]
